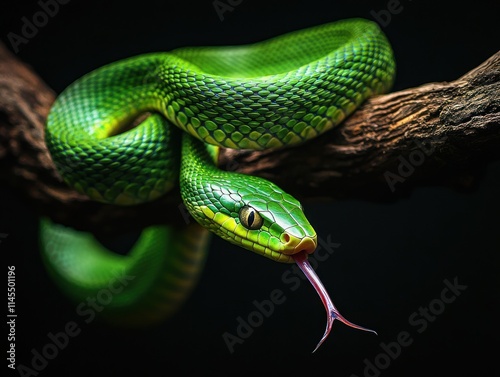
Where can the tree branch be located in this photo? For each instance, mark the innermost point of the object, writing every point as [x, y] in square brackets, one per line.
[432, 134]
[394, 142]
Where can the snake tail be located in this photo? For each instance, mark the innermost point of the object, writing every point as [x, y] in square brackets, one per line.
[143, 287]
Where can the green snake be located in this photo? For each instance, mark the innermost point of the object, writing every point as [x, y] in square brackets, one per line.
[133, 130]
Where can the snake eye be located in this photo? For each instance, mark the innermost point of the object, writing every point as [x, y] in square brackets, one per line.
[250, 218]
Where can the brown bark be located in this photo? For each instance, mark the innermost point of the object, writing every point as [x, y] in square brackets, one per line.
[438, 133]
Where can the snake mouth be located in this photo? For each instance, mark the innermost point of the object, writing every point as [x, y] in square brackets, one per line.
[307, 245]
[286, 254]
[293, 245]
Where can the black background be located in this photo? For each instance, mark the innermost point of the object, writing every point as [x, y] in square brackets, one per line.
[393, 258]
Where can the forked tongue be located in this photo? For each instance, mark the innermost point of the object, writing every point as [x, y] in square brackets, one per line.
[331, 311]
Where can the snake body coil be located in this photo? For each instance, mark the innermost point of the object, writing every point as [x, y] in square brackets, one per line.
[115, 135]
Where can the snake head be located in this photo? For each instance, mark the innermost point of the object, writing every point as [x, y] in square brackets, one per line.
[257, 215]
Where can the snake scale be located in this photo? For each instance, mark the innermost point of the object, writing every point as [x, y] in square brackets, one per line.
[133, 130]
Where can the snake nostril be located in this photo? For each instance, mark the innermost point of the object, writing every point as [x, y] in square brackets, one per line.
[286, 237]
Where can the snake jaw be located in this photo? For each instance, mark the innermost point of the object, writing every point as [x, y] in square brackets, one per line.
[307, 245]
[331, 311]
